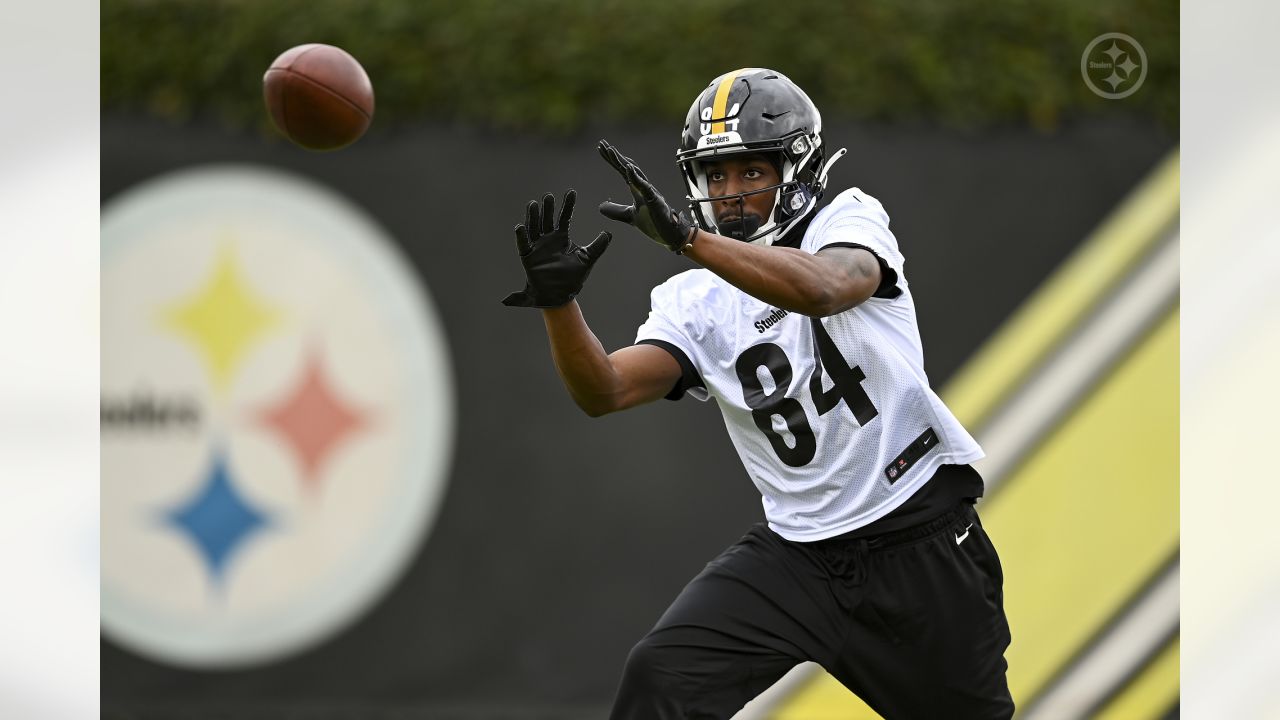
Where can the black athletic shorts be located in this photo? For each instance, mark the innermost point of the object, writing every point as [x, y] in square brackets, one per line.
[912, 621]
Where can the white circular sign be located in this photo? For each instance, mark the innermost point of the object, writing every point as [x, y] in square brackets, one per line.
[277, 415]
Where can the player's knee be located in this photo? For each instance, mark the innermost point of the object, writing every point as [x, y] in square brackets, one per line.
[650, 667]
[649, 688]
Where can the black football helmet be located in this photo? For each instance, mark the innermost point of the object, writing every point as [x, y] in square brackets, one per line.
[755, 110]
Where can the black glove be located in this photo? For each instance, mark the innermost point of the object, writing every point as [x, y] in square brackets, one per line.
[650, 213]
[554, 267]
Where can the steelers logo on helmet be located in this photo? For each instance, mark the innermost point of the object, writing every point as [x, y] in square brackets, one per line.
[755, 110]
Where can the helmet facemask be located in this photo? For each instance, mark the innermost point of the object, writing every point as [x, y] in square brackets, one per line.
[794, 196]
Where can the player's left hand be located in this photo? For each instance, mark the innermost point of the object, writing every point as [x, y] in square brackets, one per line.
[554, 267]
[650, 213]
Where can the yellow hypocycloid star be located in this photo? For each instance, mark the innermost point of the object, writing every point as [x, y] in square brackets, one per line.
[223, 319]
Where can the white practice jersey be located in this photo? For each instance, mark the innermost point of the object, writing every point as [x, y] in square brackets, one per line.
[834, 418]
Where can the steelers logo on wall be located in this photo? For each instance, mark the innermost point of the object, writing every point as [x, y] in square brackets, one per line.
[277, 416]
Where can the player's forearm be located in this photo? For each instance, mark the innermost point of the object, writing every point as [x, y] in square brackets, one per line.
[581, 361]
[787, 278]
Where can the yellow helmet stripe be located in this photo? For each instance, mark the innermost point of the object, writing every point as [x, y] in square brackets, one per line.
[719, 107]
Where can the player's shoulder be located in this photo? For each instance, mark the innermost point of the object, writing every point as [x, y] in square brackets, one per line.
[852, 203]
[695, 284]
[852, 210]
[696, 279]
[692, 291]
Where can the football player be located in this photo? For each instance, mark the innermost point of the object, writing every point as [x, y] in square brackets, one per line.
[800, 323]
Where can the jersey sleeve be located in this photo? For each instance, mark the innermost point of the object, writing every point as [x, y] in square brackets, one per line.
[675, 323]
[860, 221]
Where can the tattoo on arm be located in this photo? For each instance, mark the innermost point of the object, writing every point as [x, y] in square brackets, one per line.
[856, 271]
[860, 265]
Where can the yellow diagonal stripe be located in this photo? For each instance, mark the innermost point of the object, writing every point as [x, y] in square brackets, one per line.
[1074, 289]
[1151, 694]
[824, 698]
[1083, 523]
[721, 103]
[1092, 514]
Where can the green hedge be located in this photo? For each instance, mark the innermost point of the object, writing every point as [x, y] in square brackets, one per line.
[558, 65]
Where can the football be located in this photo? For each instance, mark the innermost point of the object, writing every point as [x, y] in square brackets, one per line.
[319, 96]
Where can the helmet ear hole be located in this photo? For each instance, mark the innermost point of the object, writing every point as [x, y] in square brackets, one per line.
[791, 200]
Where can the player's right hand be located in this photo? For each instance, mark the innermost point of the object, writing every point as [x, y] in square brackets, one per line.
[554, 267]
[649, 213]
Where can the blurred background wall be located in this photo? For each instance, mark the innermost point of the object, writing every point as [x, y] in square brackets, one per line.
[1038, 221]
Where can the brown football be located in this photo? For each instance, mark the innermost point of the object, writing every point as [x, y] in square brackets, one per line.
[319, 96]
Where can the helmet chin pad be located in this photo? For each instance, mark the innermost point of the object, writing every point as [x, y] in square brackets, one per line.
[742, 228]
